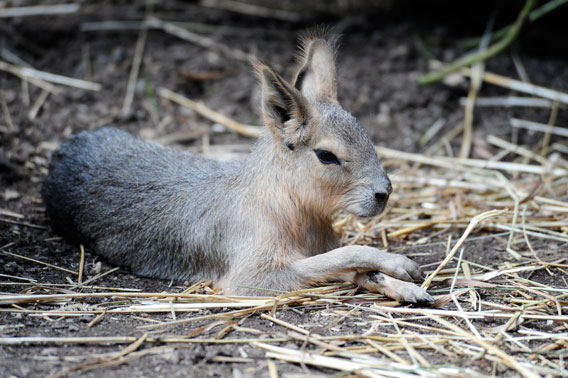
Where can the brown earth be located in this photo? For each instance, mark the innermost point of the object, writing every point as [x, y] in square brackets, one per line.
[379, 63]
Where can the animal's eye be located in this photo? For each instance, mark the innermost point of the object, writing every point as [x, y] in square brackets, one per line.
[326, 157]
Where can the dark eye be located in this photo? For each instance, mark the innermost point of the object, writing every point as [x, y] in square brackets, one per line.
[326, 157]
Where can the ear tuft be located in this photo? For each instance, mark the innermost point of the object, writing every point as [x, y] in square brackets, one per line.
[315, 77]
[322, 33]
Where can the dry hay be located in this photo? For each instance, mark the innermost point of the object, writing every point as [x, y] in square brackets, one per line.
[487, 318]
[434, 198]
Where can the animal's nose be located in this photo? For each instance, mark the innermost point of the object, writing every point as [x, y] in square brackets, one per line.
[382, 197]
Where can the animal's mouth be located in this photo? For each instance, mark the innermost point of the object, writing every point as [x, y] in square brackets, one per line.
[371, 212]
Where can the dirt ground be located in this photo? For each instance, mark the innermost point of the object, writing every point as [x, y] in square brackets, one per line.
[382, 55]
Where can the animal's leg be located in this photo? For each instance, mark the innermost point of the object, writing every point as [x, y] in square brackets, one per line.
[391, 287]
[358, 259]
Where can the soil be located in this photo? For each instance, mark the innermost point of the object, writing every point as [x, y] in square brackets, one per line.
[379, 63]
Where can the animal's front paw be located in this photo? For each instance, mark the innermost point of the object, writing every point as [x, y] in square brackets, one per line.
[400, 267]
[396, 289]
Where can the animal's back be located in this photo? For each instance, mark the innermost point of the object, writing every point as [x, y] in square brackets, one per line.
[113, 190]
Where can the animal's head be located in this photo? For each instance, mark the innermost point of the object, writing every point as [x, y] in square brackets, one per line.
[331, 157]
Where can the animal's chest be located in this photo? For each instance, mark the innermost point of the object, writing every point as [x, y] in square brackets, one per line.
[317, 241]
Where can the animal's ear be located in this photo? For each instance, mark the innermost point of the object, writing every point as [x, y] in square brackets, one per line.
[284, 110]
[315, 78]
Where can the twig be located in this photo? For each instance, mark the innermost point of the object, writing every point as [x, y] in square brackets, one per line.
[24, 298]
[136, 61]
[93, 322]
[516, 201]
[272, 370]
[286, 324]
[98, 276]
[6, 111]
[509, 102]
[431, 132]
[18, 71]
[414, 355]
[521, 86]
[246, 130]
[81, 265]
[25, 224]
[475, 84]
[492, 139]
[455, 163]
[32, 73]
[536, 126]
[549, 236]
[38, 103]
[11, 57]
[101, 362]
[198, 27]
[474, 222]
[370, 368]
[199, 40]
[519, 67]
[507, 359]
[550, 123]
[38, 262]
[449, 136]
[472, 315]
[252, 9]
[39, 10]
[30, 340]
[25, 93]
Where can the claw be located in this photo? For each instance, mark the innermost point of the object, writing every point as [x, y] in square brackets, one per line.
[417, 274]
[406, 277]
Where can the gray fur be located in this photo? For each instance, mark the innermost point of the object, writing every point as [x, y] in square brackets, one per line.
[263, 222]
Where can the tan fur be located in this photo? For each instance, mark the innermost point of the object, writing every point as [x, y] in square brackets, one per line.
[316, 68]
[264, 222]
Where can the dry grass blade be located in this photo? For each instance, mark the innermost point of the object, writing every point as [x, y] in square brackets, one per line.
[474, 222]
[506, 358]
[6, 112]
[38, 262]
[38, 103]
[492, 139]
[252, 9]
[246, 130]
[81, 265]
[103, 362]
[455, 163]
[477, 72]
[41, 340]
[510, 102]
[197, 39]
[137, 60]
[541, 127]
[19, 72]
[39, 10]
[471, 315]
[272, 370]
[35, 75]
[521, 86]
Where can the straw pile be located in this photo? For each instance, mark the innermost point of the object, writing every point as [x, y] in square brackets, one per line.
[486, 318]
[505, 316]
